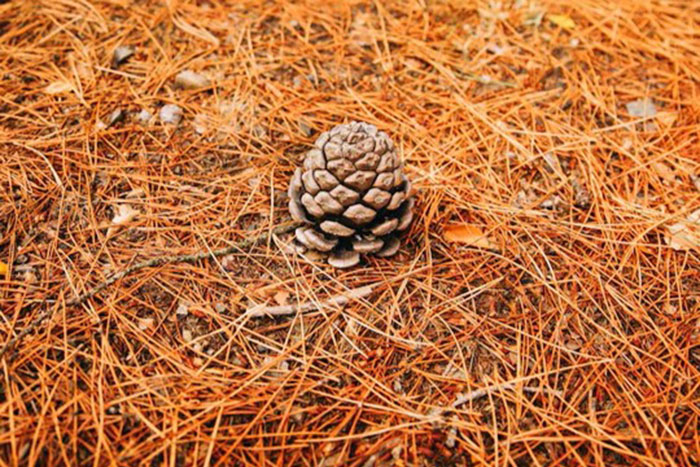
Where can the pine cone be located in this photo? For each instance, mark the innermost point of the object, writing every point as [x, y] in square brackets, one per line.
[351, 194]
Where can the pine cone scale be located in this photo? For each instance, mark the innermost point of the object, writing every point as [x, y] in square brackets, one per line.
[345, 195]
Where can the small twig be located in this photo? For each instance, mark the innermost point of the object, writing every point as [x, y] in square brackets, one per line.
[438, 413]
[259, 311]
[157, 261]
[477, 393]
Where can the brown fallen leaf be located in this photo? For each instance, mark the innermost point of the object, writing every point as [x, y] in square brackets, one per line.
[3, 268]
[468, 234]
[282, 297]
[667, 119]
[685, 234]
[124, 215]
[664, 171]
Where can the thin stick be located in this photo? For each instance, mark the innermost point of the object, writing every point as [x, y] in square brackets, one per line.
[153, 262]
[259, 311]
[477, 393]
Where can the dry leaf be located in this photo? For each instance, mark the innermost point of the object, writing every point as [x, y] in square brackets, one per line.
[685, 235]
[4, 269]
[468, 234]
[282, 297]
[664, 171]
[667, 119]
[124, 215]
[58, 87]
[563, 21]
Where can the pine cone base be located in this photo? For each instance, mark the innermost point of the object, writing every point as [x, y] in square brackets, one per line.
[351, 195]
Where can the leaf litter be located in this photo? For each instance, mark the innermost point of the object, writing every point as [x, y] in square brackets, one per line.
[590, 309]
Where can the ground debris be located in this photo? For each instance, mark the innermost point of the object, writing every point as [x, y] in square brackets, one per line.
[188, 79]
[137, 251]
[171, 113]
[642, 108]
[121, 54]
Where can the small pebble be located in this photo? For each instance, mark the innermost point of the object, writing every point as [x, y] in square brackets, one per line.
[122, 53]
[171, 113]
[115, 117]
[144, 116]
[182, 309]
[190, 80]
[641, 108]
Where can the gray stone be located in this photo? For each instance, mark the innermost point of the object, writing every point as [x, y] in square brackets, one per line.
[171, 113]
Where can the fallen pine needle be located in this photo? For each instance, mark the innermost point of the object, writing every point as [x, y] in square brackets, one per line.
[157, 261]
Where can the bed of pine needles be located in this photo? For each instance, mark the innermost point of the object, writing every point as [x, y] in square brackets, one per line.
[568, 334]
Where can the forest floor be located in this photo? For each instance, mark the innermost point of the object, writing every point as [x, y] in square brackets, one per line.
[559, 325]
